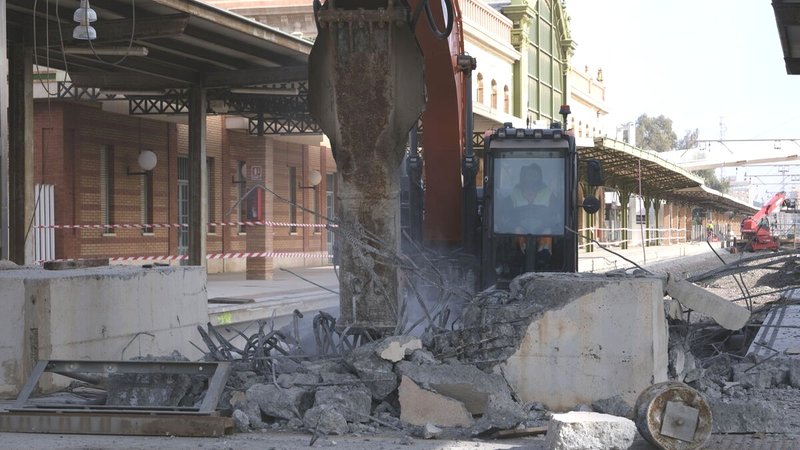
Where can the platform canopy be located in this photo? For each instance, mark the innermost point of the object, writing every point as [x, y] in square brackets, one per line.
[626, 166]
[188, 42]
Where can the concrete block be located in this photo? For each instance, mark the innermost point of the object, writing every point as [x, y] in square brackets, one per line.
[353, 402]
[420, 407]
[595, 337]
[241, 421]
[376, 372]
[325, 420]
[589, 431]
[395, 348]
[102, 313]
[281, 403]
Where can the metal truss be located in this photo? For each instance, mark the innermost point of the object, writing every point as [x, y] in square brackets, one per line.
[68, 90]
[283, 125]
[173, 101]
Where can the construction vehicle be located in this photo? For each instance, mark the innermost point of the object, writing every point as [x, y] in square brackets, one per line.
[373, 69]
[757, 233]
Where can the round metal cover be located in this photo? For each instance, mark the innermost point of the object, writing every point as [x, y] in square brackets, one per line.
[673, 416]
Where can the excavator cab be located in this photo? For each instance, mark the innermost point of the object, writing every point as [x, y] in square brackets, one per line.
[530, 203]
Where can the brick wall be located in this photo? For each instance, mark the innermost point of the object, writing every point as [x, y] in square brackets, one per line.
[68, 141]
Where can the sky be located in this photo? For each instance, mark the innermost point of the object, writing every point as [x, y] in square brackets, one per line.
[697, 62]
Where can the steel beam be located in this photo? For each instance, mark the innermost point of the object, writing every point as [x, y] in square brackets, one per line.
[4, 185]
[21, 195]
[253, 77]
[198, 177]
[115, 31]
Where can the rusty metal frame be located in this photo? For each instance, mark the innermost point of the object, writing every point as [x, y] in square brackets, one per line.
[217, 373]
[115, 423]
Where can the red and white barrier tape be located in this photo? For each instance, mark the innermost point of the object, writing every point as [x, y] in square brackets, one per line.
[209, 256]
[138, 226]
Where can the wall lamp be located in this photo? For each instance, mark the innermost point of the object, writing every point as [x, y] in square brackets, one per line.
[147, 162]
[314, 179]
[242, 175]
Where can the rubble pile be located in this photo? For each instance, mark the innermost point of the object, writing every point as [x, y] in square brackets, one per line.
[391, 383]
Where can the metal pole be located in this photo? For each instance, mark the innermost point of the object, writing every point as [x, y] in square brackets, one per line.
[4, 185]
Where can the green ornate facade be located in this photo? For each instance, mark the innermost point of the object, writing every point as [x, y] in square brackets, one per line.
[541, 35]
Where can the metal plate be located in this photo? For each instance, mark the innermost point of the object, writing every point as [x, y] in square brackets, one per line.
[679, 421]
[121, 423]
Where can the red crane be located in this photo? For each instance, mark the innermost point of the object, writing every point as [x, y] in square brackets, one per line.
[756, 232]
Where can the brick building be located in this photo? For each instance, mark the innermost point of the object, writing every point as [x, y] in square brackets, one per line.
[89, 155]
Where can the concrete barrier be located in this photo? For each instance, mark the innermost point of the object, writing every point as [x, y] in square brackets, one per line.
[104, 313]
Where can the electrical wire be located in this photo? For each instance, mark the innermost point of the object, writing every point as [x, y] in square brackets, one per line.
[130, 41]
[449, 18]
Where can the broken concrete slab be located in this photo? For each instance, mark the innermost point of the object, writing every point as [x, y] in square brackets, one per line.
[463, 382]
[281, 403]
[589, 431]
[729, 315]
[326, 420]
[376, 372]
[395, 348]
[572, 338]
[352, 402]
[420, 407]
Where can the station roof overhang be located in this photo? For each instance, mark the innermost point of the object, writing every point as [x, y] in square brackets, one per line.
[787, 17]
[706, 197]
[189, 43]
[626, 166]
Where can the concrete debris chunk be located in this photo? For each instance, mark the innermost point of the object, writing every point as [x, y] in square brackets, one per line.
[340, 378]
[241, 421]
[376, 372]
[420, 407]
[281, 403]
[423, 356]
[395, 348]
[326, 420]
[589, 431]
[463, 382]
[352, 402]
[305, 380]
[729, 315]
[614, 406]
[431, 431]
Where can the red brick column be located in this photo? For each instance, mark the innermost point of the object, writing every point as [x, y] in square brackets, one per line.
[259, 238]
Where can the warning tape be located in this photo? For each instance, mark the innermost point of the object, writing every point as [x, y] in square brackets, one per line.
[209, 256]
[139, 226]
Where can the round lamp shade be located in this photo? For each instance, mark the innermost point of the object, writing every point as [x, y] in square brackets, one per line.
[147, 160]
[315, 177]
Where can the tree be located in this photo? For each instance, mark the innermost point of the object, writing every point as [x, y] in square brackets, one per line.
[710, 179]
[655, 133]
[689, 140]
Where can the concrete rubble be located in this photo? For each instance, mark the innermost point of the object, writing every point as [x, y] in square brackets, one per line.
[578, 344]
[589, 431]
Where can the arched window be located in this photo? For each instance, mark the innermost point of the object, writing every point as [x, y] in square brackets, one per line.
[506, 100]
[494, 95]
[479, 93]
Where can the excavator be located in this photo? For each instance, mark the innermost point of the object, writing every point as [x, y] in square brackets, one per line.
[380, 70]
[756, 231]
